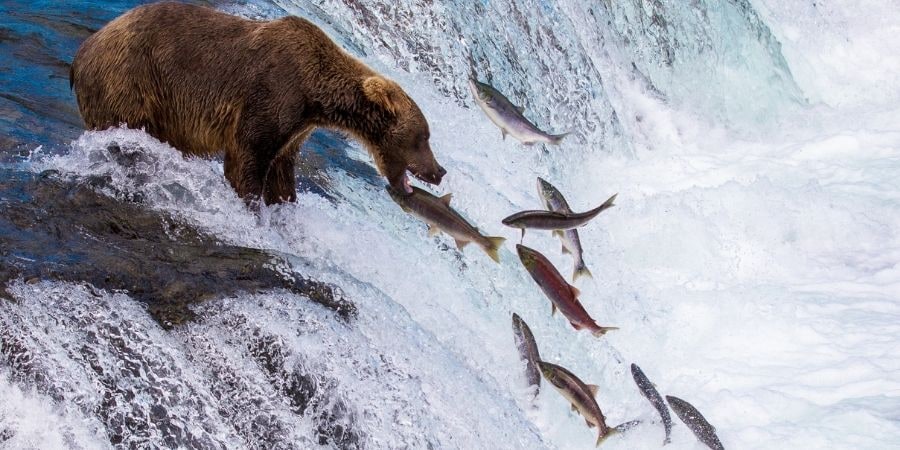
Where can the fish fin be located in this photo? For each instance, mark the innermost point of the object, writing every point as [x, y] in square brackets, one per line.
[602, 330]
[575, 291]
[581, 270]
[553, 309]
[461, 244]
[575, 326]
[589, 424]
[493, 248]
[446, 199]
[523, 236]
[565, 251]
[575, 409]
[503, 133]
[433, 230]
[558, 233]
[555, 139]
[593, 388]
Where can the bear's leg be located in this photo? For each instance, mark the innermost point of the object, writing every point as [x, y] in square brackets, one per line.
[242, 172]
[280, 181]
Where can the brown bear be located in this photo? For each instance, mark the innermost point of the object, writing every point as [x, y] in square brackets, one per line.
[205, 81]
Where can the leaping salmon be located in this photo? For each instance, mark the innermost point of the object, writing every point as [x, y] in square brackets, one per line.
[439, 216]
[583, 399]
[571, 242]
[649, 391]
[508, 116]
[704, 431]
[562, 295]
[528, 350]
[553, 220]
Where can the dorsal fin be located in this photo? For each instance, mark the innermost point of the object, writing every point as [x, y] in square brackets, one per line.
[461, 244]
[521, 109]
[433, 230]
[575, 291]
[446, 199]
[593, 388]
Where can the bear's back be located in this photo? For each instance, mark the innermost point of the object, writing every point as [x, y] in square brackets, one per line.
[178, 71]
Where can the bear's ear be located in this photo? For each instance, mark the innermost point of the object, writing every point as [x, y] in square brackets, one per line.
[384, 92]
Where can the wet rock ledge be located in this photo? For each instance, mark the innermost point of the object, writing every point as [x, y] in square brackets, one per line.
[58, 230]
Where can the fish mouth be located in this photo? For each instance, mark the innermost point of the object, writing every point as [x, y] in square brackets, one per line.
[473, 87]
[543, 186]
[523, 251]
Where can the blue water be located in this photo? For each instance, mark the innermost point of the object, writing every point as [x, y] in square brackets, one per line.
[37, 43]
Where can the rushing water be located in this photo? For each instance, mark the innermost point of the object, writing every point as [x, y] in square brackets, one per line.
[750, 262]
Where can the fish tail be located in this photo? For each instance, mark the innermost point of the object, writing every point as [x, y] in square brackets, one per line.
[581, 270]
[555, 139]
[602, 436]
[602, 330]
[493, 248]
[609, 203]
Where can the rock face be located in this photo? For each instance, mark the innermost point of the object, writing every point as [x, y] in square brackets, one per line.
[60, 231]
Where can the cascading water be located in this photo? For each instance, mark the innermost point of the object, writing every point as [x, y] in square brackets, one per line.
[750, 262]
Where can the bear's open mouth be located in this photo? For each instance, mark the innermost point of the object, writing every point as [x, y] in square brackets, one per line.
[423, 178]
[403, 182]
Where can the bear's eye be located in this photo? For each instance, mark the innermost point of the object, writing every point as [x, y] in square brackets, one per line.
[422, 141]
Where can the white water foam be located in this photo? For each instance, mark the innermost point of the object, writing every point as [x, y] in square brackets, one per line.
[756, 279]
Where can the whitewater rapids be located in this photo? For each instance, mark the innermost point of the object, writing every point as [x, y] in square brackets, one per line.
[750, 262]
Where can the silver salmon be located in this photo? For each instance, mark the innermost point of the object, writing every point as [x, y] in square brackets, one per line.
[562, 295]
[704, 431]
[571, 242]
[655, 399]
[528, 350]
[439, 216]
[508, 116]
[553, 220]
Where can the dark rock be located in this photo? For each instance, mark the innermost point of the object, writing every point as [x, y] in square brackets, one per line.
[52, 229]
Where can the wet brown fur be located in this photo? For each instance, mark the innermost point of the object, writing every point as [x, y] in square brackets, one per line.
[205, 82]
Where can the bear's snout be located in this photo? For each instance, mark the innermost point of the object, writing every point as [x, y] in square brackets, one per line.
[439, 175]
[435, 177]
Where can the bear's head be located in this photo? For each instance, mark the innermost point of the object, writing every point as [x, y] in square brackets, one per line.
[401, 144]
